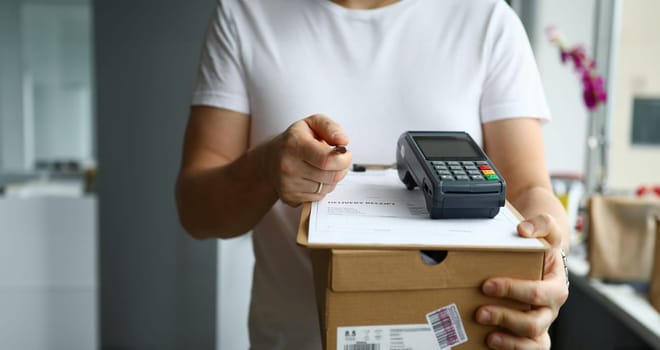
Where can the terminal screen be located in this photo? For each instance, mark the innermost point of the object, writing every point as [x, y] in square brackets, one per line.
[446, 148]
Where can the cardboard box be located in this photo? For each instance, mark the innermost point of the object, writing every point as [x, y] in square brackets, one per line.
[374, 288]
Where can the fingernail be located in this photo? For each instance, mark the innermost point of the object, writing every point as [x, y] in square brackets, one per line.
[489, 288]
[527, 227]
[484, 317]
[495, 341]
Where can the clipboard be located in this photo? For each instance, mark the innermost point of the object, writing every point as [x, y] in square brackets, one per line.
[302, 239]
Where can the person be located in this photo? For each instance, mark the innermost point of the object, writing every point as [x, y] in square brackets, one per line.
[283, 81]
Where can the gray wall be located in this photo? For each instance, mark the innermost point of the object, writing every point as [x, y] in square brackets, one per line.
[11, 109]
[157, 284]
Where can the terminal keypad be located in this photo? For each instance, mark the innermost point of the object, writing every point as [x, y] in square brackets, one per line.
[464, 171]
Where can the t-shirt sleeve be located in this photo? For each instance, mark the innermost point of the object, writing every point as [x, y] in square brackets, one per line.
[220, 78]
[512, 86]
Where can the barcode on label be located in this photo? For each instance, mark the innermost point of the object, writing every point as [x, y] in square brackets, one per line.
[362, 346]
[447, 326]
[444, 331]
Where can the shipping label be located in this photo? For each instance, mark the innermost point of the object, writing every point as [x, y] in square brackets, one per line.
[447, 326]
[387, 337]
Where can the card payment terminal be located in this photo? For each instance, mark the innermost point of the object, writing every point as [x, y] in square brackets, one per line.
[455, 175]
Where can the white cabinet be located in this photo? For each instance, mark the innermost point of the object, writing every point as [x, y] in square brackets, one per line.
[48, 273]
[235, 265]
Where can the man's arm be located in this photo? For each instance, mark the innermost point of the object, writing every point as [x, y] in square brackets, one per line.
[516, 148]
[221, 189]
[224, 188]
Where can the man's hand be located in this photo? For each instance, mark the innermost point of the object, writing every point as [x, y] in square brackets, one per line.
[528, 329]
[301, 163]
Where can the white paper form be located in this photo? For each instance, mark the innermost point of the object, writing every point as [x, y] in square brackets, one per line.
[375, 208]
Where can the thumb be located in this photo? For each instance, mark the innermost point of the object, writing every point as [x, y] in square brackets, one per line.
[327, 129]
[543, 225]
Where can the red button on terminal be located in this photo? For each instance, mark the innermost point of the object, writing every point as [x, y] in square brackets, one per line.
[485, 167]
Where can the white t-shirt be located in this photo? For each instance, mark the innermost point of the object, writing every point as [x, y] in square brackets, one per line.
[412, 65]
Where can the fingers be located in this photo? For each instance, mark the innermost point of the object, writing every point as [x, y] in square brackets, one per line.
[312, 140]
[528, 324]
[528, 328]
[543, 225]
[329, 179]
[306, 166]
[308, 186]
[528, 292]
[299, 181]
[499, 340]
[550, 292]
[327, 129]
[322, 156]
[299, 168]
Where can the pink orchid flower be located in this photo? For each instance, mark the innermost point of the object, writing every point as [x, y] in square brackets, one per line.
[593, 85]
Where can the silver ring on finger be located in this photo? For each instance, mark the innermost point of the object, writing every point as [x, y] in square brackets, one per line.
[319, 188]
